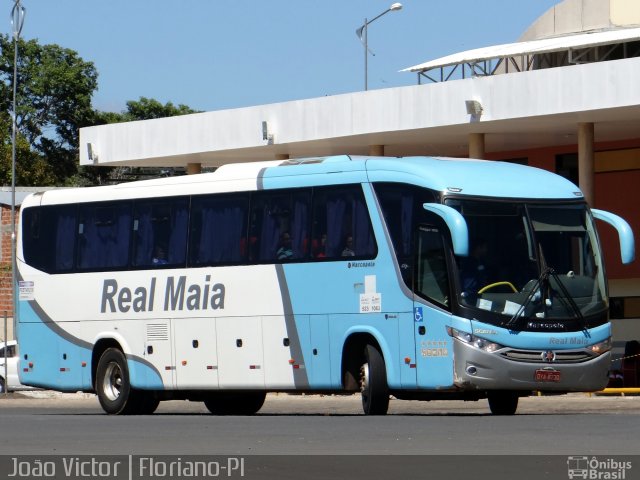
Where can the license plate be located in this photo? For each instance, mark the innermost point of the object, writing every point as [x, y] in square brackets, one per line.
[547, 376]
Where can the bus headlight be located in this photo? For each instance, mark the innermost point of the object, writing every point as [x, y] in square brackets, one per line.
[602, 347]
[477, 342]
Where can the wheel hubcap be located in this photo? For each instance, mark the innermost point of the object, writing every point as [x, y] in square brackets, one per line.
[364, 379]
[112, 384]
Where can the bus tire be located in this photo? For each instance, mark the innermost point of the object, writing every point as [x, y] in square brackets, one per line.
[225, 403]
[503, 403]
[3, 385]
[147, 402]
[373, 383]
[112, 384]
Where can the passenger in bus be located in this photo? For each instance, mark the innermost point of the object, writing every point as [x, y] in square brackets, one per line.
[285, 251]
[348, 247]
[159, 256]
[320, 247]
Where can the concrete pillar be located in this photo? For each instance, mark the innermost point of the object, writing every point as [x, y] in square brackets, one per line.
[586, 161]
[193, 168]
[476, 145]
[282, 156]
[376, 150]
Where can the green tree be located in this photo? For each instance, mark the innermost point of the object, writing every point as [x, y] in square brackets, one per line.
[148, 108]
[54, 92]
[31, 168]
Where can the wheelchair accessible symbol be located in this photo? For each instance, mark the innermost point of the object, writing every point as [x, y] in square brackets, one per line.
[417, 314]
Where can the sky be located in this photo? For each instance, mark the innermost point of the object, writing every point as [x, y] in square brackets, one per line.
[215, 54]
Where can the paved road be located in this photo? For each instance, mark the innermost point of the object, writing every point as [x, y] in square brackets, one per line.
[332, 425]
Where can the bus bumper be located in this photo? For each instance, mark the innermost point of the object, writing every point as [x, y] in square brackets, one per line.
[477, 369]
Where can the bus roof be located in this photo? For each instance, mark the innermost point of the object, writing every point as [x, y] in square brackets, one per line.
[461, 176]
[476, 177]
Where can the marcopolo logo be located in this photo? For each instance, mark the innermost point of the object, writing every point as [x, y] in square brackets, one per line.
[594, 468]
[361, 264]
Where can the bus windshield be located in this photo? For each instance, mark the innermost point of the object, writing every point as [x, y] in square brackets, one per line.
[530, 264]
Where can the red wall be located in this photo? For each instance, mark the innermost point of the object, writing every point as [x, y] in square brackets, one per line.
[6, 303]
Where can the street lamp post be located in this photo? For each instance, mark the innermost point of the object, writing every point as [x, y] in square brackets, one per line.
[17, 22]
[362, 33]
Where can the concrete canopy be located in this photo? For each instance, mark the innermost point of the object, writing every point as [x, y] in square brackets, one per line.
[521, 111]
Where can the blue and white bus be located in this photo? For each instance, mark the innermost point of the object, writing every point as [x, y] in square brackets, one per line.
[421, 278]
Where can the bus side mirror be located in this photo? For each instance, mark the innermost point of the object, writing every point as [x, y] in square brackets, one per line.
[625, 234]
[455, 223]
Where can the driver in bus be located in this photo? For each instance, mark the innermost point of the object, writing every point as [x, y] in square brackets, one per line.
[473, 270]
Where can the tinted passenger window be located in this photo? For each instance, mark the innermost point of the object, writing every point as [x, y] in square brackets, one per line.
[219, 229]
[49, 237]
[103, 235]
[341, 224]
[402, 211]
[279, 226]
[160, 232]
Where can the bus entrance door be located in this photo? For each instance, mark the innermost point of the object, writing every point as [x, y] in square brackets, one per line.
[431, 282]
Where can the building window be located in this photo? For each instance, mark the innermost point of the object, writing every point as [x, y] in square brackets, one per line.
[567, 166]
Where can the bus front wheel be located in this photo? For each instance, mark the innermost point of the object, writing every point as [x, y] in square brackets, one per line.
[503, 403]
[112, 383]
[373, 383]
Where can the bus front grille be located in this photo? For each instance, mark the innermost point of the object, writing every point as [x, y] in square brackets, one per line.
[547, 356]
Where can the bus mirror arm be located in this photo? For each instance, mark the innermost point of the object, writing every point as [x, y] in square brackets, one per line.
[456, 224]
[625, 234]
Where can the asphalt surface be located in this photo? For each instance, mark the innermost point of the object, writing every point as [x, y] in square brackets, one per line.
[575, 424]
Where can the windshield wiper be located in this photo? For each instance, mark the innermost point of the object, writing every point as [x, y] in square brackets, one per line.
[543, 280]
[544, 277]
[568, 299]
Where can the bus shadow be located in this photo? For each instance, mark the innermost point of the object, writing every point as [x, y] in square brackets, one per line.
[311, 414]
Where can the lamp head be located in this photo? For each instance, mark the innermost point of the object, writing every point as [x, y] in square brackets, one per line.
[395, 6]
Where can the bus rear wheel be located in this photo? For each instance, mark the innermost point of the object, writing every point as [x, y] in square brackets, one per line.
[245, 403]
[373, 383]
[147, 402]
[503, 403]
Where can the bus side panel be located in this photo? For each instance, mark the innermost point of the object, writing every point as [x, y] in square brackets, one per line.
[336, 291]
[196, 353]
[241, 353]
[49, 357]
[58, 354]
[144, 375]
[278, 346]
[321, 359]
